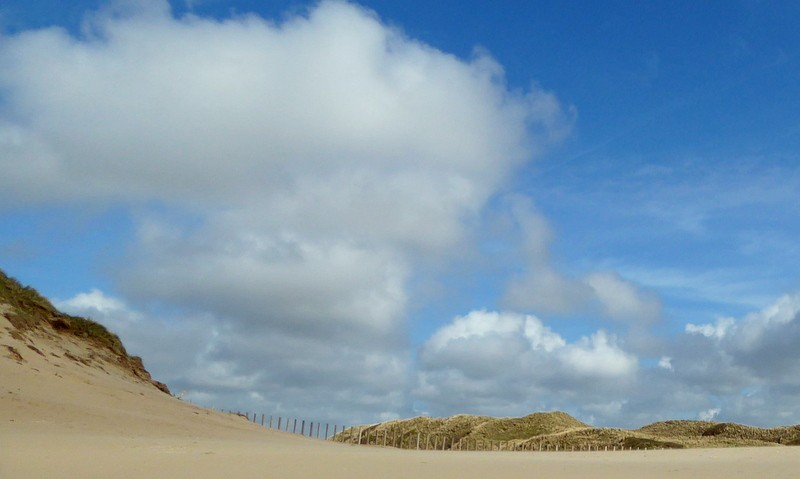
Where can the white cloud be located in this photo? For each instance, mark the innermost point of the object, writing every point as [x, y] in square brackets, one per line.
[477, 324]
[718, 330]
[199, 110]
[333, 290]
[757, 330]
[665, 362]
[598, 357]
[288, 180]
[97, 302]
[541, 337]
[505, 362]
[709, 414]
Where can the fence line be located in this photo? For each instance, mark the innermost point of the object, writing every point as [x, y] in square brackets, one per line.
[392, 437]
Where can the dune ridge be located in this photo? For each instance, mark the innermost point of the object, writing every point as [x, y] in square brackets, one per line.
[560, 431]
[31, 317]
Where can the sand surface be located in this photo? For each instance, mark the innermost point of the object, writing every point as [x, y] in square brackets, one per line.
[61, 418]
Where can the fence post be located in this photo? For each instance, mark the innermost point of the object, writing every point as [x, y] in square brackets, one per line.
[270, 421]
[418, 441]
[294, 427]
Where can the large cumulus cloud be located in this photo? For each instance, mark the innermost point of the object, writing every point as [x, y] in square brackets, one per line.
[285, 181]
[503, 362]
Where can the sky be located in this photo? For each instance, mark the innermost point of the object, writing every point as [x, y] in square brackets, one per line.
[355, 212]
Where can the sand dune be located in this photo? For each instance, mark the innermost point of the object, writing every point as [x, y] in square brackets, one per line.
[67, 411]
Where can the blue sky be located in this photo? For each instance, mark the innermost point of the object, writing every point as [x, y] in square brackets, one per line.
[360, 211]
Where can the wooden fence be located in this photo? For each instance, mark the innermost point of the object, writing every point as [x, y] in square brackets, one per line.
[312, 429]
[369, 436]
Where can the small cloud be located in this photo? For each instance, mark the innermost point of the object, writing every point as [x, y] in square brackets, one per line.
[717, 330]
[665, 363]
[101, 307]
[709, 414]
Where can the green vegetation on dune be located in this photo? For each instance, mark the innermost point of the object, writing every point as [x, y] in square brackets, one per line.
[464, 428]
[636, 442]
[535, 424]
[560, 431]
[29, 308]
[722, 433]
[674, 428]
[29, 311]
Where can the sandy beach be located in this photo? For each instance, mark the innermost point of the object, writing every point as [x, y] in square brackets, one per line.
[60, 417]
[90, 456]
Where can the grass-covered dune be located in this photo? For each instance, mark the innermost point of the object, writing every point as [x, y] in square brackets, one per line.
[560, 431]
